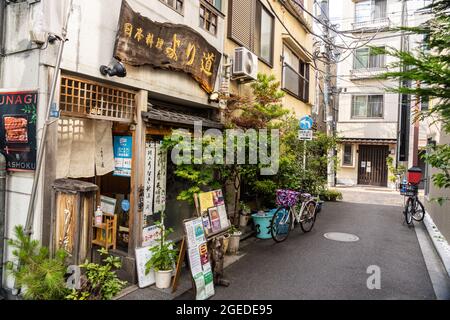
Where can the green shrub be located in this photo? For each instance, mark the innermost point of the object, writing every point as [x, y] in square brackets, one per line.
[39, 276]
[100, 282]
[330, 195]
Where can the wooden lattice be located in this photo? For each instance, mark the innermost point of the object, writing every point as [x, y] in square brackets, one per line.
[84, 98]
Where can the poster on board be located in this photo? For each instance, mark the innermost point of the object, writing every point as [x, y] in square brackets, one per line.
[123, 146]
[199, 259]
[18, 129]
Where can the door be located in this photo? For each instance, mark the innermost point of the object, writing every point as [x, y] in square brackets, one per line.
[372, 167]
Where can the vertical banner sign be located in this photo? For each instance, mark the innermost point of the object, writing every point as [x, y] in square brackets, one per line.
[160, 179]
[141, 41]
[18, 129]
[199, 259]
[123, 146]
[149, 179]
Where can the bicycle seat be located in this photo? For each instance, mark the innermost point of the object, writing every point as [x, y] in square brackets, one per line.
[306, 195]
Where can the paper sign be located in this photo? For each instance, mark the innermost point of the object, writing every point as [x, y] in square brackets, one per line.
[107, 204]
[215, 219]
[206, 201]
[224, 222]
[123, 145]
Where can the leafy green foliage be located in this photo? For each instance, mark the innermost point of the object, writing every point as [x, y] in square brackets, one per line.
[330, 195]
[40, 277]
[100, 281]
[429, 65]
[164, 256]
[400, 170]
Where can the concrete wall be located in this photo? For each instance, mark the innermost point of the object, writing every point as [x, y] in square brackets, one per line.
[439, 214]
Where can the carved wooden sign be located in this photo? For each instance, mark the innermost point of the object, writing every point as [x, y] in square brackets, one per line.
[141, 41]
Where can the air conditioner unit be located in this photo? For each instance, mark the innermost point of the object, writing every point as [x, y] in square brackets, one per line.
[245, 65]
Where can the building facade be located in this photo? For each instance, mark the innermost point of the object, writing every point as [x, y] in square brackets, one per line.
[106, 129]
[373, 122]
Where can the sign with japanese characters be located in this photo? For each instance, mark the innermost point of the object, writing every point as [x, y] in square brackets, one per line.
[141, 41]
[18, 129]
[123, 146]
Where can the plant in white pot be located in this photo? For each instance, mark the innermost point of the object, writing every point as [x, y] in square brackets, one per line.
[163, 258]
[235, 237]
[245, 214]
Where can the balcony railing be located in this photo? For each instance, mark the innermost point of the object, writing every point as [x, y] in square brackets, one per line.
[380, 23]
[367, 73]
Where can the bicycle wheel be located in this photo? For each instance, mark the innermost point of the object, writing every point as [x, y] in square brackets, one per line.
[308, 216]
[281, 224]
[419, 211]
[408, 211]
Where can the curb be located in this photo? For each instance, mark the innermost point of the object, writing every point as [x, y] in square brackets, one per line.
[440, 243]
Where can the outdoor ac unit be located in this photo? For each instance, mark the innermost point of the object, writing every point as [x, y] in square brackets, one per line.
[245, 64]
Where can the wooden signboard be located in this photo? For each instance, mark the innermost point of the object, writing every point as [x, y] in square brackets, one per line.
[141, 41]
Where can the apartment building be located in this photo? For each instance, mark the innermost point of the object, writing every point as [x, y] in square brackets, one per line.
[373, 122]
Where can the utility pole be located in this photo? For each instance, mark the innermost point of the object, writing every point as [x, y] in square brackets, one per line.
[327, 89]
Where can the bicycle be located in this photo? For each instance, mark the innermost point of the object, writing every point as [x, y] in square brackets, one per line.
[291, 211]
[414, 209]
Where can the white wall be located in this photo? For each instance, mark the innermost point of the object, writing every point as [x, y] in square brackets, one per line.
[92, 33]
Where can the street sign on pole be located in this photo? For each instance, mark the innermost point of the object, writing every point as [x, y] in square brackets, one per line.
[305, 135]
[306, 123]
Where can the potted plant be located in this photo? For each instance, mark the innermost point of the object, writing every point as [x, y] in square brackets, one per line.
[235, 237]
[163, 258]
[245, 214]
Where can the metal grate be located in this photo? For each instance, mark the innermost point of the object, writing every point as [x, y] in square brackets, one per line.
[84, 98]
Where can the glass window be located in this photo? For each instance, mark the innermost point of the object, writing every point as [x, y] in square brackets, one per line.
[208, 19]
[348, 155]
[295, 75]
[369, 10]
[365, 59]
[367, 106]
[362, 11]
[177, 5]
[266, 38]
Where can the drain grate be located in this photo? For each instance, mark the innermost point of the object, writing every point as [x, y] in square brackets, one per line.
[342, 237]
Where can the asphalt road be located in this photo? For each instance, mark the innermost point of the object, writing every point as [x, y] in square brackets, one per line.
[309, 266]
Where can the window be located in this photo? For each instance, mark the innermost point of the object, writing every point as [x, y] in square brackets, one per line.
[425, 103]
[347, 159]
[365, 58]
[369, 10]
[367, 106]
[208, 19]
[177, 5]
[295, 75]
[216, 3]
[252, 26]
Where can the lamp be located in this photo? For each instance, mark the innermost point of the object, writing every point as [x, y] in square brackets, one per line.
[214, 97]
[118, 69]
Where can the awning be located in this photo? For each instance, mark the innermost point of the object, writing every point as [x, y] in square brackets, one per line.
[156, 114]
[368, 141]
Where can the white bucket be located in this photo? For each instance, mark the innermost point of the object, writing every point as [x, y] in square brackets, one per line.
[163, 279]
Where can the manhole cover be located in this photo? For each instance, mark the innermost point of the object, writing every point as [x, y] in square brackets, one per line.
[343, 237]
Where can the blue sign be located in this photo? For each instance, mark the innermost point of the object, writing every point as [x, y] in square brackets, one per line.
[306, 123]
[125, 205]
[123, 145]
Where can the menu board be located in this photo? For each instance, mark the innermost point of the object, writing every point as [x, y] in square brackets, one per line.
[213, 211]
[18, 129]
[199, 259]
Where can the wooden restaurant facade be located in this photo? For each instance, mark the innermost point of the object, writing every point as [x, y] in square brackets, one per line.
[107, 136]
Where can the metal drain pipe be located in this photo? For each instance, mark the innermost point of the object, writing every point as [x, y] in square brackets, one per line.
[2, 217]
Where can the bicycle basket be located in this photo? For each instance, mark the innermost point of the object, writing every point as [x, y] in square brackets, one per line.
[411, 190]
[287, 198]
